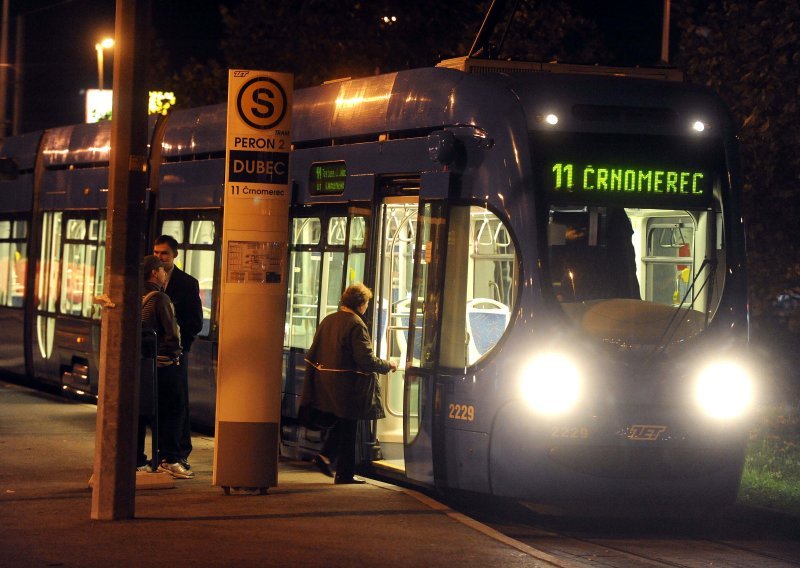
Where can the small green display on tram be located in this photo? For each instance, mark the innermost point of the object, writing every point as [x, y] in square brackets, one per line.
[328, 178]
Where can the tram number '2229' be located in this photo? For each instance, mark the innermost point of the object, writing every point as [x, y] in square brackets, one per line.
[461, 412]
[581, 432]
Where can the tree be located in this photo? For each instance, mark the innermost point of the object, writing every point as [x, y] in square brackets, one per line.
[321, 40]
[750, 54]
[551, 30]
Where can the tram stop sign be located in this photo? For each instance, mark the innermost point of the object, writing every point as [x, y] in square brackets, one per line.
[253, 284]
[258, 138]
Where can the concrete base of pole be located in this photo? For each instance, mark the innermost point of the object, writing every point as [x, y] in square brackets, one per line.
[145, 480]
[246, 455]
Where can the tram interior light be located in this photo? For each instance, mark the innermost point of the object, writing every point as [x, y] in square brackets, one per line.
[724, 390]
[698, 126]
[551, 119]
[550, 383]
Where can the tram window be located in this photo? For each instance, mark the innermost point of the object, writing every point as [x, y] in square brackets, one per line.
[357, 250]
[333, 265]
[196, 255]
[174, 228]
[429, 290]
[82, 261]
[669, 264]
[304, 280]
[303, 305]
[319, 268]
[306, 231]
[202, 232]
[592, 254]
[337, 230]
[98, 228]
[481, 282]
[358, 232]
[200, 264]
[47, 274]
[13, 262]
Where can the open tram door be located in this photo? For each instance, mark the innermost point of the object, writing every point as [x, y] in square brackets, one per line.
[408, 288]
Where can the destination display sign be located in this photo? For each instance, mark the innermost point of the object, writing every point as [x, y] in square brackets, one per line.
[637, 171]
[328, 178]
[600, 178]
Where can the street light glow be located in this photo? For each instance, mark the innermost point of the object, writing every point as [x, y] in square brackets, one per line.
[105, 43]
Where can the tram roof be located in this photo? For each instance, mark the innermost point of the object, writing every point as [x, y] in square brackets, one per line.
[438, 97]
[477, 66]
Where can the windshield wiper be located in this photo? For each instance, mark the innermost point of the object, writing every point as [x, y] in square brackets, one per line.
[672, 327]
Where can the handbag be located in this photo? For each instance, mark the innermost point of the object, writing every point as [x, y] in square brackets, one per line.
[376, 411]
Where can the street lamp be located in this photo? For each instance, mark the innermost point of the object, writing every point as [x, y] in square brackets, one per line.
[107, 43]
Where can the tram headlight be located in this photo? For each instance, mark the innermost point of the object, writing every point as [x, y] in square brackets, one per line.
[551, 383]
[699, 126]
[724, 390]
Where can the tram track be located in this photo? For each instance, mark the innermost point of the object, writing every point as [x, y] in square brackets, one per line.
[741, 537]
[654, 552]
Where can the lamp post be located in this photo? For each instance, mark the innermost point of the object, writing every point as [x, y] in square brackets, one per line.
[107, 43]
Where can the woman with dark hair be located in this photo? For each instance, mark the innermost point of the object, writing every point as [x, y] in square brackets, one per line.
[340, 380]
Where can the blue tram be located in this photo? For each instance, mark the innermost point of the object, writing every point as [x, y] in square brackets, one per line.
[557, 256]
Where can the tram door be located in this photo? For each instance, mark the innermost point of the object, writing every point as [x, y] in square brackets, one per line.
[406, 306]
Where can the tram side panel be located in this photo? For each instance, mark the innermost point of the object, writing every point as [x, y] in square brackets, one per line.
[189, 194]
[190, 209]
[65, 331]
[16, 196]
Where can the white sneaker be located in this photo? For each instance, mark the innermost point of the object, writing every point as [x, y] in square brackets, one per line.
[176, 470]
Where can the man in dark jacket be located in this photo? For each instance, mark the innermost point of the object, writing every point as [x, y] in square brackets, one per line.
[184, 291]
[338, 379]
[158, 315]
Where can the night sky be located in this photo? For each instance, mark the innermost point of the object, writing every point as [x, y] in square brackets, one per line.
[60, 61]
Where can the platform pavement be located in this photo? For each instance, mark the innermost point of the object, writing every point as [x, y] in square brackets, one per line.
[46, 453]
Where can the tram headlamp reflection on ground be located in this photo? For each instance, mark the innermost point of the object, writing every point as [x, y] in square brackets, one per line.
[550, 383]
[724, 390]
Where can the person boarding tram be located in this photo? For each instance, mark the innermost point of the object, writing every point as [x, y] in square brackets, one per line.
[340, 381]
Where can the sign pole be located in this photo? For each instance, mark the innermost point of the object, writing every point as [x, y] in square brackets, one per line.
[253, 292]
[113, 494]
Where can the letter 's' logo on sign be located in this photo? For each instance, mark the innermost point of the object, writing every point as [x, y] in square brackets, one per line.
[261, 103]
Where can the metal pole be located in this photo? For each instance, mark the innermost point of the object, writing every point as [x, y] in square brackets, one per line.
[99, 49]
[481, 43]
[665, 34]
[4, 66]
[17, 125]
[113, 495]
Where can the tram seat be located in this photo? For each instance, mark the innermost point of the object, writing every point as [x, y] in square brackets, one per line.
[487, 319]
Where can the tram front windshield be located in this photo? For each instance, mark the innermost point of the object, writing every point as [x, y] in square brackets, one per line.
[635, 246]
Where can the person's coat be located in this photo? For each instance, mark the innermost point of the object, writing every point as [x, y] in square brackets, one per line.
[340, 368]
[184, 291]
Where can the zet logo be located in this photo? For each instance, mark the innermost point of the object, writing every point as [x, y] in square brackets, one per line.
[261, 103]
[646, 432]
